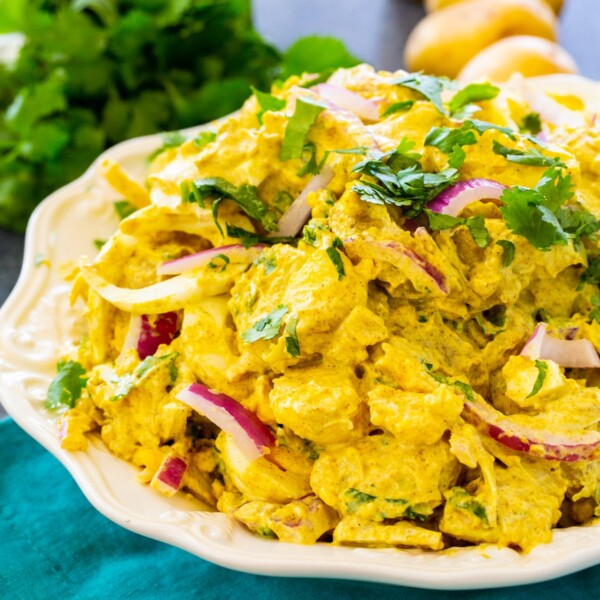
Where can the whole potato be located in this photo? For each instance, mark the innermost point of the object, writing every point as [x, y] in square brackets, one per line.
[432, 5]
[446, 40]
[524, 54]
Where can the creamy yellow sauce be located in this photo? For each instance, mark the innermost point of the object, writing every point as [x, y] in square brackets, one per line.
[373, 444]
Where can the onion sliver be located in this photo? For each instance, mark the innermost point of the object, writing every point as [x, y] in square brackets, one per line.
[566, 447]
[169, 476]
[234, 253]
[454, 199]
[347, 100]
[165, 296]
[576, 354]
[162, 330]
[298, 213]
[250, 434]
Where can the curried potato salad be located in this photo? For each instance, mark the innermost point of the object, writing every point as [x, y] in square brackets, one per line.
[362, 311]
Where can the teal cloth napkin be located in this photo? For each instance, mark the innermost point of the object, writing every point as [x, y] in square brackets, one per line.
[55, 545]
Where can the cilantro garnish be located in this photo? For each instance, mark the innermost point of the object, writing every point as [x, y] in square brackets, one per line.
[268, 262]
[298, 126]
[397, 107]
[65, 389]
[311, 167]
[428, 86]
[224, 260]
[447, 138]
[292, 345]
[465, 388]
[591, 275]
[124, 208]
[204, 138]
[99, 243]
[531, 123]
[482, 126]
[461, 104]
[542, 368]
[508, 252]
[245, 196]
[125, 383]
[532, 157]
[189, 193]
[336, 257]
[250, 238]
[475, 225]
[399, 179]
[266, 102]
[462, 499]
[266, 328]
[595, 312]
[170, 139]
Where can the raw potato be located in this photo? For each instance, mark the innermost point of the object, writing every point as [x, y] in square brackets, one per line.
[524, 54]
[432, 5]
[446, 40]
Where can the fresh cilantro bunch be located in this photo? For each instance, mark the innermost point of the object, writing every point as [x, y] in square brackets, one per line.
[92, 73]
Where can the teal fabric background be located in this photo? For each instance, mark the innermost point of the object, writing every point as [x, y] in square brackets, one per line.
[53, 544]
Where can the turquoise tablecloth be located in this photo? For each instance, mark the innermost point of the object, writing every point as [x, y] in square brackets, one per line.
[54, 545]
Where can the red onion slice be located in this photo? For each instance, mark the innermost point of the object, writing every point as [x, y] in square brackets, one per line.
[163, 330]
[169, 476]
[234, 252]
[347, 100]
[576, 354]
[542, 444]
[250, 434]
[298, 213]
[455, 198]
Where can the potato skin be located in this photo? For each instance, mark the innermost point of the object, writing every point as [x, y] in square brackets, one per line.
[529, 55]
[431, 5]
[444, 41]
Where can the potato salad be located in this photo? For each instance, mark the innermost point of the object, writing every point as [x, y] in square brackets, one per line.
[362, 310]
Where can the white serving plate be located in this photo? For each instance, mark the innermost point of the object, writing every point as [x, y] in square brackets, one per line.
[37, 319]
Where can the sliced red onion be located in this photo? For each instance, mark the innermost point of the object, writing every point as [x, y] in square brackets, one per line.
[455, 198]
[163, 330]
[298, 213]
[250, 434]
[347, 100]
[566, 447]
[234, 252]
[169, 476]
[577, 354]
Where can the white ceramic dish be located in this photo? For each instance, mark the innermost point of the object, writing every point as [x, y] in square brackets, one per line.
[37, 319]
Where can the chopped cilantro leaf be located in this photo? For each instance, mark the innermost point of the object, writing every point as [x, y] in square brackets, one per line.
[292, 345]
[336, 257]
[456, 158]
[65, 389]
[214, 210]
[249, 238]
[439, 221]
[298, 126]
[268, 262]
[591, 275]
[532, 157]
[190, 193]
[124, 208]
[170, 139]
[99, 244]
[531, 123]
[555, 187]
[356, 498]
[204, 138]
[446, 138]
[245, 196]
[542, 368]
[474, 92]
[219, 258]
[482, 126]
[397, 107]
[595, 312]
[266, 328]
[465, 388]
[475, 225]
[428, 86]
[266, 102]
[124, 384]
[478, 230]
[508, 252]
[311, 167]
[462, 499]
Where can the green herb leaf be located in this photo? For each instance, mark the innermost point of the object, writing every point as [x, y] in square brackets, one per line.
[298, 126]
[595, 312]
[311, 167]
[99, 243]
[65, 389]
[124, 208]
[532, 157]
[474, 92]
[482, 126]
[204, 138]
[124, 384]
[555, 188]
[465, 388]
[336, 258]
[508, 252]
[266, 328]
[245, 196]
[591, 275]
[249, 238]
[447, 138]
[542, 368]
[456, 158]
[397, 107]
[292, 345]
[439, 221]
[170, 139]
[428, 86]
[223, 259]
[478, 230]
[462, 499]
[531, 123]
[268, 262]
[267, 102]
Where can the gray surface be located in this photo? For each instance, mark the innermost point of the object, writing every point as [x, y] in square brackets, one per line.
[374, 30]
